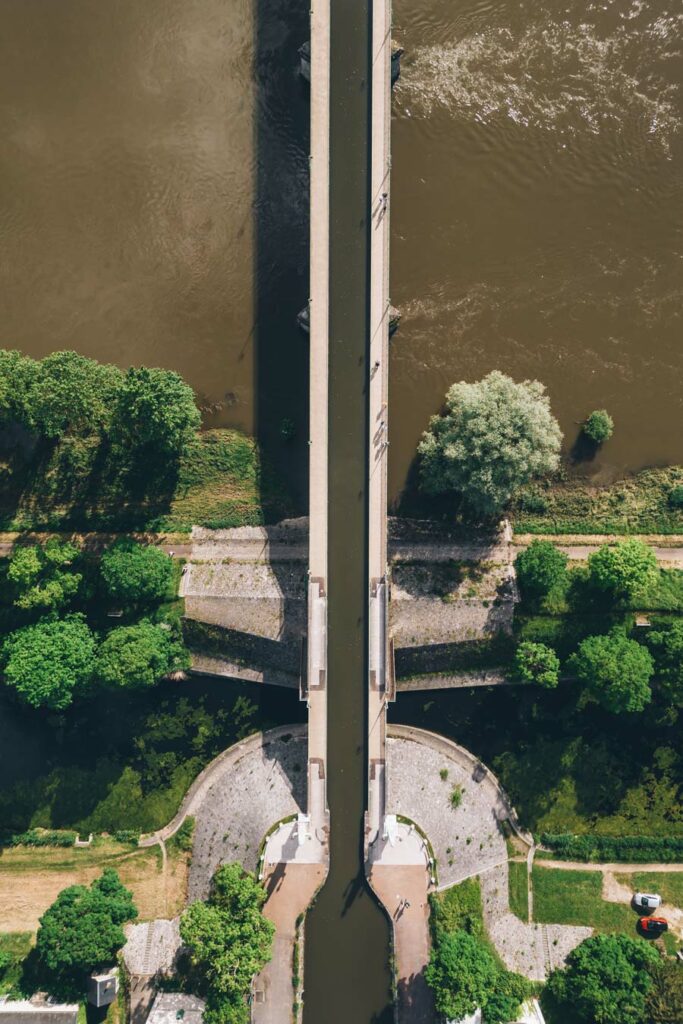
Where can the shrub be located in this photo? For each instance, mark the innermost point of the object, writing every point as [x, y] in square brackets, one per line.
[676, 497]
[127, 835]
[494, 436]
[623, 569]
[536, 663]
[42, 837]
[607, 849]
[456, 796]
[599, 426]
[615, 671]
[136, 573]
[184, 836]
[539, 568]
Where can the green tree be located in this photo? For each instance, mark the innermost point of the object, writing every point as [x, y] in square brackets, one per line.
[41, 577]
[503, 1003]
[666, 647]
[71, 393]
[17, 375]
[615, 671]
[462, 974]
[49, 662]
[537, 663]
[229, 940]
[82, 930]
[621, 570]
[156, 410]
[137, 656]
[599, 426]
[665, 999]
[135, 573]
[494, 436]
[540, 568]
[607, 980]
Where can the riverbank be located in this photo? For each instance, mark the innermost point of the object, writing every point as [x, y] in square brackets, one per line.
[221, 480]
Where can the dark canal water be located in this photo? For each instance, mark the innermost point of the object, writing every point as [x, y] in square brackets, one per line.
[347, 948]
[537, 213]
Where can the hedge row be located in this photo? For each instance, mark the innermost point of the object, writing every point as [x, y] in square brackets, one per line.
[39, 837]
[608, 849]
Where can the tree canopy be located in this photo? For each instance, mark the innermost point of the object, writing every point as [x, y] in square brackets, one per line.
[494, 436]
[72, 393]
[41, 576]
[136, 656]
[156, 410]
[135, 573]
[47, 663]
[624, 568]
[615, 671]
[599, 426]
[539, 568]
[229, 941]
[537, 663]
[82, 930]
[665, 999]
[666, 646]
[607, 979]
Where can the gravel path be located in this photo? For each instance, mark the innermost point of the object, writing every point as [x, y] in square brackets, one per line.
[531, 949]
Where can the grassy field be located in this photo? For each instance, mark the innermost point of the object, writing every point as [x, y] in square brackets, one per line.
[124, 760]
[220, 481]
[518, 889]
[17, 944]
[575, 897]
[668, 884]
[31, 879]
[636, 504]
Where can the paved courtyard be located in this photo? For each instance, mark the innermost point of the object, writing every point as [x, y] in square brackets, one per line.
[466, 839]
[243, 801]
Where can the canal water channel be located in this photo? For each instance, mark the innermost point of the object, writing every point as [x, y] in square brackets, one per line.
[347, 935]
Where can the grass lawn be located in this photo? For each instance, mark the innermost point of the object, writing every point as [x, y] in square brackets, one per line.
[31, 879]
[669, 884]
[518, 889]
[575, 897]
[124, 760]
[636, 504]
[220, 481]
[17, 944]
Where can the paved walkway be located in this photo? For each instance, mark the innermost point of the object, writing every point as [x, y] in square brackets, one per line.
[291, 888]
[403, 891]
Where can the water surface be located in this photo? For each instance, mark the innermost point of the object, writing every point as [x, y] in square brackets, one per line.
[537, 214]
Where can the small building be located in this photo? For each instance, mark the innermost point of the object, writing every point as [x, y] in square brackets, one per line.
[174, 1007]
[37, 1010]
[103, 987]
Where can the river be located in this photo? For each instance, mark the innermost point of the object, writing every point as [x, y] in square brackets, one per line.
[154, 177]
[537, 214]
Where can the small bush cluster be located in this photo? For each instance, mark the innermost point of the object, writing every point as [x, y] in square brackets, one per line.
[599, 426]
[608, 849]
[41, 837]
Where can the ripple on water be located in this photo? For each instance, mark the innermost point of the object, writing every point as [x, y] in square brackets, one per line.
[559, 76]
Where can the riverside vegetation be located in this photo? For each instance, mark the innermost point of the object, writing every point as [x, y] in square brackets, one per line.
[87, 446]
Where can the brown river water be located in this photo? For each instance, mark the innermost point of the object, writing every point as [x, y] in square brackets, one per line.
[537, 214]
[154, 193]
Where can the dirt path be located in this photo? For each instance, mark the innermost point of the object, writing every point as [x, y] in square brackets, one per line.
[620, 869]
